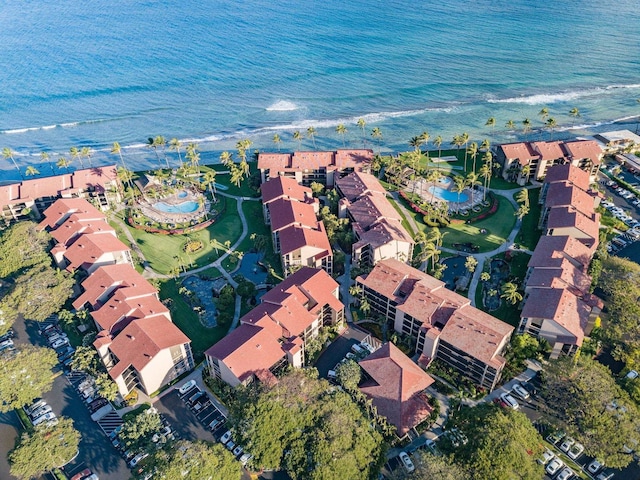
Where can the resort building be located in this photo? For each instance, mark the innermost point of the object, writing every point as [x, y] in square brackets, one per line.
[377, 226]
[557, 303]
[309, 167]
[274, 334]
[617, 140]
[396, 387]
[443, 323]
[530, 160]
[19, 199]
[285, 188]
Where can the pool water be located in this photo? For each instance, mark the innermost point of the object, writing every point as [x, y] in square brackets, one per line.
[447, 195]
[184, 207]
[251, 269]
[182, 195]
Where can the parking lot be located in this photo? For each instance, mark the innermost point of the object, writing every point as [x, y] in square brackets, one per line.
[340, 347]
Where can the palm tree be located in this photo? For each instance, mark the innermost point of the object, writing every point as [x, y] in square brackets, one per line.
[193, 156]
[7, 153]
[460, 184]
[526, 127]
[575, 113]
[117, 149]
[277, 140]
[485, 174]
[236, 175]
[63, 163]
[377, 134]
[525, 172]
[44, 156]
[522, 212]
[75, 155]
[491, 122]
[297, 136]
[342, 130]
[430, 252]
[471, 263]
[438, 270]
[485, 276]
[544, 113]
[161, 142]
[152, 144]
[464, 138]
[311, 133]
[438, 143]
[510, 125]
[472, 180]
[424, 136]
[415, 142]
[208, 180]
[522, 197]
[510, 293]
[226, 158]
[31, 171]
[437, 236]
[551, 124]
[175, 144]
[485, 145]
[473, 153]
[242, 146]
[361, 123]
[86, 152]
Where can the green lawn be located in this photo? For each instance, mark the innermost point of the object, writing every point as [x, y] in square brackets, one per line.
[497, 226]
[244, 190]
[405, 222]
[529, 232]
[187, 321]
[165, 252]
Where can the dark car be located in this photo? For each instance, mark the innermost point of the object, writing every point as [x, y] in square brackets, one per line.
[529, 387]
[97, 404]
[10, 334]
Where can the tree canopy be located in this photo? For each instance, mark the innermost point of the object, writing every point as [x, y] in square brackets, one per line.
[431, 467]
[349, 375]
[323, 432]
[44, 449]
[502, 443]
[590, 406]
[194, 461]
[22, 246]
[25, 375]
[136, 431]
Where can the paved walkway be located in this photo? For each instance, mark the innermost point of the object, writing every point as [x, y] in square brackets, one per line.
[345, 282]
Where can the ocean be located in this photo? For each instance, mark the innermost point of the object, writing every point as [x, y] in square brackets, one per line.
[87, 74]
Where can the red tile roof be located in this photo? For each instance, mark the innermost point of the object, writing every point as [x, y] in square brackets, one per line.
[566, 246]
[382, 233]
[566, 276]
[294, 238]
[141, 341]
[568, 172]
[396, 387]
[562, 194]
[64, 207]
[548, 150]
[560, 306]
[356, 184]
[88, 249]
[108, 277]
[355, 159]
[518, 151]
[128, 303]
[369, 209]
[74, 226]
[300, 161]
[568, 217]
[583, 149]
[284, 187]
[284, 213]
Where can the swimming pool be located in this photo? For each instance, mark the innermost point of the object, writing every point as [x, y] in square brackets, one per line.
[448, 195]
[184, 207]
[182, 194]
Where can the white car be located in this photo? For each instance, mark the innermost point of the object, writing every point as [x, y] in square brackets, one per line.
[575, 451]
[34, 406]
[547, 456]
[554, 466]
[6, 344]
[40, 411]
[567, 444]
[510, 401]
[245, 458]
[137, 459]
[519, 391]
[226, 437]
[595, 466]
[406, 462]
[186, 387]
[60, 342]
[565, 474]
[47, 417]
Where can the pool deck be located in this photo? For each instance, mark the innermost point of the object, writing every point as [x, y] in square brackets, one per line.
[149, 209]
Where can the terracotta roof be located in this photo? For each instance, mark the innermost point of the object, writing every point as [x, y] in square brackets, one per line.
[274, 162]
[141, 341]
[353, 158]
[583, 149]
[294, 238]
[569, 173]
[314, 160]
[518, 151]
[561, 306]
[96, 177]
[477, 334]
[74, 226]
[566, 246]
[247, 350]
[284, 213]
[110, 277]
[64, 207]
[396, 387]
[88, 249]
[284, 187]
[567, 217]
[128, 303]
[368, 209]
[382, 233]
[561, 194]
[290, 315]
[566, 276]
[548, 150]
[356, 184]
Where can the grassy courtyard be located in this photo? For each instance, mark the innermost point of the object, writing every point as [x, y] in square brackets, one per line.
[529, 232]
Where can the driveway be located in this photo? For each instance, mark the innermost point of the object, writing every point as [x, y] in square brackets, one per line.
[339, 348]
[184, 421]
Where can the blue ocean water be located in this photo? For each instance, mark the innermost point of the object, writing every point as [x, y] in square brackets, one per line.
[91, 73]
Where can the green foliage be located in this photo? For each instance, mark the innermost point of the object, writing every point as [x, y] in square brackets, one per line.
[44, 449]
[349, 375]
[246, 289]
[136, 432]
[39, 292]
[194, 461]
[323, 431]
[25, 376]
[85, 358]
[107, 387]
[22, 246]
[332, 224]
[502, 443]
[586, 399]
[431, 467]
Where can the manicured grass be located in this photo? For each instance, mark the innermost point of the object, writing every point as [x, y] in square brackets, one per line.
[165, 252]
[405, 223]
[187, 321]
[497, 226]
[529, 232]
[225, 179]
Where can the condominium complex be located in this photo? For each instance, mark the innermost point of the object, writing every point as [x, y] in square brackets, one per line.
[443, 323]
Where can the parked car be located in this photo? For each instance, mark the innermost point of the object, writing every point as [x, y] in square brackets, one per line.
[34, 406]
[195, 397]
[565, 474]
[226, 437]
[237, 451]
[60, 342]
[567, 444]
[244, 459]
[406, 462]
[605, 476]
[47, 417]
[575, 451]
[8, 335]
[230, 445]
[137, 459]
[529, 387]
[554, 466]
[595, 466]
[97, 404]
[331, 375]
[40, 411]
[214, 424]
[83, 474]
[367, 346]
[510, 401]
[519, 391]
[186, 387]
[547, 456]
[6, 344]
